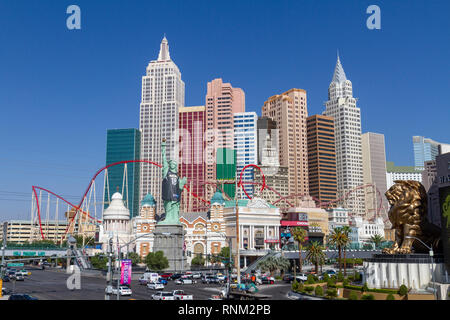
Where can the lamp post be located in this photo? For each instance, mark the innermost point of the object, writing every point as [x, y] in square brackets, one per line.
[432, 262]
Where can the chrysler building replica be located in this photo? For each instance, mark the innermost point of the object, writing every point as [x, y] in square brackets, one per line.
[162, 95]
[341, 105]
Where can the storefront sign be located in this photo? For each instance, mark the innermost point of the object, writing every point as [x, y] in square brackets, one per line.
[287, 223]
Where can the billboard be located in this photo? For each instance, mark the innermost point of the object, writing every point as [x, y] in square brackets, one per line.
[125, 271]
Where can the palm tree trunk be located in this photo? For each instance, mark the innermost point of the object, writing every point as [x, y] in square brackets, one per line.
[339, 250]
[300, 257]
[345, 262]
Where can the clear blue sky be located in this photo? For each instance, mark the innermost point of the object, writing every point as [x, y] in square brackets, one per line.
[60, 90]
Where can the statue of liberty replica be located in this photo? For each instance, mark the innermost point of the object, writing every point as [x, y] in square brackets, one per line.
[172, 186]
[169, 233]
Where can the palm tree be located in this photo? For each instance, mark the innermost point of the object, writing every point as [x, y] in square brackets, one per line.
[270, 264]
[299, 235]
[283, 264]
[315, 255]
[377, 240]
[345, 241]
[337, 238]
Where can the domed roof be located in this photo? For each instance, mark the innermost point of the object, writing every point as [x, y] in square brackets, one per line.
[218, 197]
[148, 201]
[116, 209]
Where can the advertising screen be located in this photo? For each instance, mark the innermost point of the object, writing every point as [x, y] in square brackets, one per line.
[125, 272]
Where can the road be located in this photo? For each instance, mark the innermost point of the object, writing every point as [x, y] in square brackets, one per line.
[51, 285]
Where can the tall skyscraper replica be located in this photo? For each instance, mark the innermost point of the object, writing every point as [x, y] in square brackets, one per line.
[191, 163]
[426, 149]
[121, 145]
[222, 100]
[289, 110]
[321, 158]
[246, 146]
[374, 171]
[162, 96]
[341, 105]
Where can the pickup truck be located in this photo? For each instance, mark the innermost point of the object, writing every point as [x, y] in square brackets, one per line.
[164, 295]
[180, 295]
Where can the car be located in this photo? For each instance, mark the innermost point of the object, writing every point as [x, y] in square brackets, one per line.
[176, 276]
[166, 275]
[180, 295]
[210, 279]
[20, 277]
[267, 280]
[163, 295]
[23, 272]
[155, 286]
[5, 278]
[197, 275]
[21, 297]
[221, 277]
[12, 275]
[163, 281]
[288, 278]
[6, 291]
[123, 291]
[301, 277]
[185, 280]
[143, 281]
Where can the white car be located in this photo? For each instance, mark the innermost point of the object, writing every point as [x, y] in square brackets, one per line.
[197, 275]
[180, 295]
[301, 277]
[185, 280]
[155, 286]
[123, 291]
[163, 295]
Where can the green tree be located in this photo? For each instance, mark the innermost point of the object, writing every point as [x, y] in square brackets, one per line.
[390, 296]
[299, 234]
[273, 264]
[338, 238]
[377, 240]
[198, 261]
[331, 293]
[156, 261]
[99, 261]
[345, 242]
[134, 257]
[315, 255]
[403, 290]
[364, 288]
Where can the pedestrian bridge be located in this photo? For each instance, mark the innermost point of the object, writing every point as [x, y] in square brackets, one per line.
[35, 252]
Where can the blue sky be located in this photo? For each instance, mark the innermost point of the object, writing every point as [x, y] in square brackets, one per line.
[60, 89]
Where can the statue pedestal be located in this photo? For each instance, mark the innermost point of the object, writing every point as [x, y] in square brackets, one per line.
[169, 239]
[392, 270]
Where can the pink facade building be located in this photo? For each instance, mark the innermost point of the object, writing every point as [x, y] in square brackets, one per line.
[221, 102]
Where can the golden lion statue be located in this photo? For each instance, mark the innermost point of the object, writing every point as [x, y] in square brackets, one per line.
[408, 215]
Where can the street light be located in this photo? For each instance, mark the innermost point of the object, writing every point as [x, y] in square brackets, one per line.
[432, 263]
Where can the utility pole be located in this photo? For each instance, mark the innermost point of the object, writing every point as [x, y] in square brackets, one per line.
[108, 276]
[229, 267]
[238, 256]
[118, 268]
[5, 230]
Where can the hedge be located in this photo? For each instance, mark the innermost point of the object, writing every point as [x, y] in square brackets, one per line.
[368, 297]
[353, 296]
[309, 289]
[390, 296]
[318, 291]
[358, 288]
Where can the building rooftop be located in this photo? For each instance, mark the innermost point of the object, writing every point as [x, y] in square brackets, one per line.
[390, 167]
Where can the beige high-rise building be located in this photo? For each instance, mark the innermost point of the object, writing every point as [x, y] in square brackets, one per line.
[289, 110]
[222, 101]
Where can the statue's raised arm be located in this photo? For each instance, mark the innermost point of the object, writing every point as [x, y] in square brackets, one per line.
[165, 163]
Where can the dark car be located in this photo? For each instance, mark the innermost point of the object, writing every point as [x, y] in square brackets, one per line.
[21, 297]
[288, 278]
[5, 278]
[162, 280]
[176, 276]
[267, 280]
[5, 291]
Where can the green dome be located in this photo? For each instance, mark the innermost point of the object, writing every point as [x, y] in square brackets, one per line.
[148, 201]
[218, 197]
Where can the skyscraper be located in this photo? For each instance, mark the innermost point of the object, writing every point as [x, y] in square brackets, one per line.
[191, 164]
[374, 170]
[321, 158]
[162, 96]
[122, 145]
[289, 111]
[426, 149]
[246, 146]
[222, 100]
[341, 105]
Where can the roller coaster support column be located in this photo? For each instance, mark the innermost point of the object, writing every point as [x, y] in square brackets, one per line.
[238, 247]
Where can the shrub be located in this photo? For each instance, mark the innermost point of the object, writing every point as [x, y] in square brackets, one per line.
[364, 288]
[318, 291]
[331, 293]
[310, 279]
[295, 285]
[345, 282]
[353, 296]
[309, 289]
[368, 297]
[278, 278]
[403, 290]
[326, 277]
[331, 283]
[357, 276]
[390, 296]
[340, 277]
[301, 287]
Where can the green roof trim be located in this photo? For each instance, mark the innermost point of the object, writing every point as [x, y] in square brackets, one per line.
[390, 167]
[242, 203]
[148, 200]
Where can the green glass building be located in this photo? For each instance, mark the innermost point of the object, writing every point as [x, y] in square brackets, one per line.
[226, 169]
[122, 145]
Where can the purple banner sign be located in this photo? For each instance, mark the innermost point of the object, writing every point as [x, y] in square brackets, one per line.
[125, 272]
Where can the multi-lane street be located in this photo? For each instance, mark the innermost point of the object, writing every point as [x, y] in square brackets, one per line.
[50, 284]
